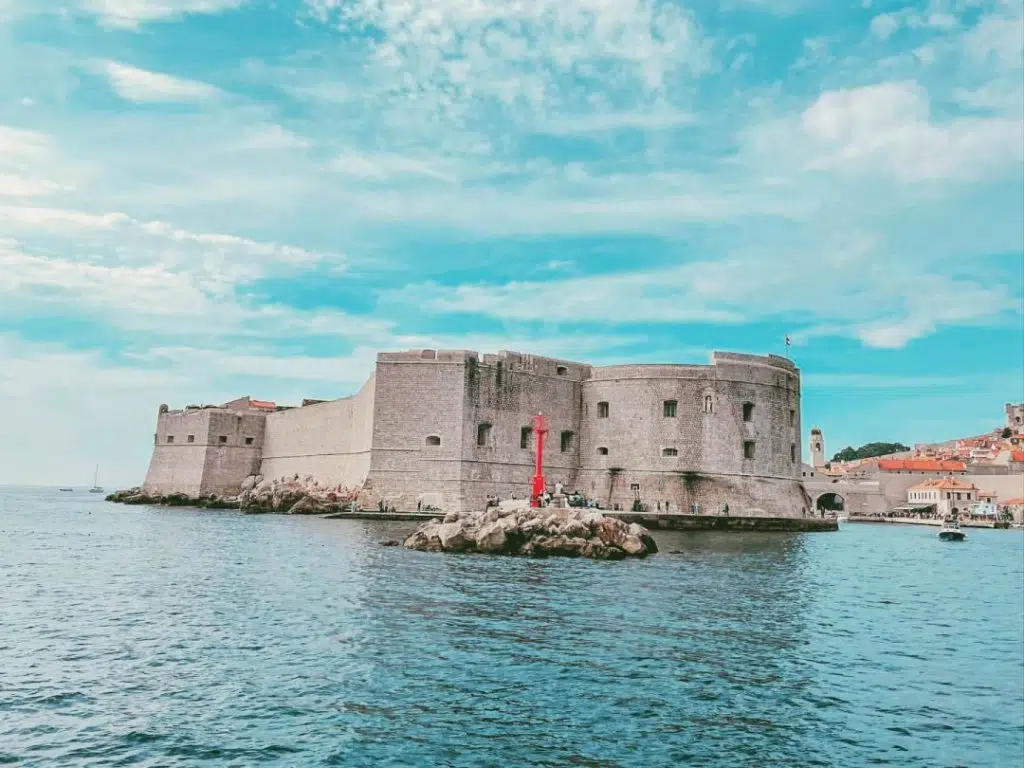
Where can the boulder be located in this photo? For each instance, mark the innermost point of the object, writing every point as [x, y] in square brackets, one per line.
[492, 538]
[534, 533]
[454, 537]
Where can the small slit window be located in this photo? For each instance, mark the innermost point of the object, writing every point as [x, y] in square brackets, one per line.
[170, 438]
[602, 451]
[566, 442]
[524, 437]
[748, 411]
[792, 452]
[483, 433]
[709, 404]
[602, 410]
[669, 409]
[222, 439]
[669, 452]
[792, 418]
[561, 370]
[748, 449]
[433, 440]
[190, 439]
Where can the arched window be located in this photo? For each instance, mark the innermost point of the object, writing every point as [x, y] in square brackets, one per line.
[602, 451]
[433, 440]
[602, 410]
[748, 411]
[709, 404]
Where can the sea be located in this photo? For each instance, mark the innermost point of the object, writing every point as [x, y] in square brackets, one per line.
[139, 636]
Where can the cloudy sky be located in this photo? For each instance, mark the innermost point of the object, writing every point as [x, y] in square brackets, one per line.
[206, 198]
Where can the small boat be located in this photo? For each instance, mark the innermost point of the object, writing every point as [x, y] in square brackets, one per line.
[95, 488]
[65, 490]
[951, 531]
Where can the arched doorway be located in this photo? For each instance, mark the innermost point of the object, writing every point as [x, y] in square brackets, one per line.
[830, 502]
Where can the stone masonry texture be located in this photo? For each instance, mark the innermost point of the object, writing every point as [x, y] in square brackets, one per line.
[447, 428]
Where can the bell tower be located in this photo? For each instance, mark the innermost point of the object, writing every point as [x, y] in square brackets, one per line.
[817, 448]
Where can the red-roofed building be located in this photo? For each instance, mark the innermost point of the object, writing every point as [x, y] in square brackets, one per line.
[936, 466]
[1014, 508]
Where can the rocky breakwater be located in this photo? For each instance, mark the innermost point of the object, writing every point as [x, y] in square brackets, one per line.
[513, 529]
[285, 496]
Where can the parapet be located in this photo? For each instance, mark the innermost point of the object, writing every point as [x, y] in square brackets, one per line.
[773, 361]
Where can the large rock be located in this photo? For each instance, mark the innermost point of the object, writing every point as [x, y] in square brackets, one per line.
[521, 530]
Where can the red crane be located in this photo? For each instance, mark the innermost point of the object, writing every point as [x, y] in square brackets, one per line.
[540, 429]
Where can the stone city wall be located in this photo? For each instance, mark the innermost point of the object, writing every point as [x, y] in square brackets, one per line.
[331, 440]
[201, 451]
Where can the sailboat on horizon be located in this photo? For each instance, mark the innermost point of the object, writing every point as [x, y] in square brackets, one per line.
[95, 477]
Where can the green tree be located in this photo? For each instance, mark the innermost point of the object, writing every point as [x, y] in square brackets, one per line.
[869, 450]
[1007, 433]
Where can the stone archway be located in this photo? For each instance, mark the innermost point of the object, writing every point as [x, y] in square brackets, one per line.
[830, 502]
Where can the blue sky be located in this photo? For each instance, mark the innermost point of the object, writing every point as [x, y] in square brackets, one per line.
[206, 198]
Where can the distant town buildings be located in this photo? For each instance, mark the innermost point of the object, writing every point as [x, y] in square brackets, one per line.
[931, 480]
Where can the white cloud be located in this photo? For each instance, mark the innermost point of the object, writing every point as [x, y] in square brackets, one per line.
[887, 130]
[143, 86]
[882, 306]
[884, 25]
[385, 166]
[605, 122]
[133, 13]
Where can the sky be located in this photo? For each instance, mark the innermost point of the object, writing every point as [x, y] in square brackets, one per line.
[201, 199]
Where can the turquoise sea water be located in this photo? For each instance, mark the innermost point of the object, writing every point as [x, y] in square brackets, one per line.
[169, 637]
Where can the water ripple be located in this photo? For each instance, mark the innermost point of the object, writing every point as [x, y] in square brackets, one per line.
[136, 636]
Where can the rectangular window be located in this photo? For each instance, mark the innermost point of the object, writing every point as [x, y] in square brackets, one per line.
[748, 449]
[669, 452]
[248, 441]
[748, 411]
[602, 410]
[566, 442]
[170, 438]
[524, 437]
[483, 433]
[792, 418]
[190, 439]
[222, 439]
[792, 452]
[669, 409]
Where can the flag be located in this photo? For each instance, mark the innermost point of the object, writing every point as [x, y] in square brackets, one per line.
[787, 341]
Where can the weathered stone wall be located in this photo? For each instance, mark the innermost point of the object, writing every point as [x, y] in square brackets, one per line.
[200, 451]
[506, 391]
[176, 466]
[234, 445]
[331, 440]
[419, 395]
[696, 456]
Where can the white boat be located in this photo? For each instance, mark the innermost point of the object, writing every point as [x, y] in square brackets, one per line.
[95, 488]
[950, 531]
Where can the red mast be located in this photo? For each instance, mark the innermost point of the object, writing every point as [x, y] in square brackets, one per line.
[540, 429]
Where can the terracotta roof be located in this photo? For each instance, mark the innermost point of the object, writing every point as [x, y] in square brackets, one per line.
[943, 484]
[921, 465]
[261, 404]
[1014, 503]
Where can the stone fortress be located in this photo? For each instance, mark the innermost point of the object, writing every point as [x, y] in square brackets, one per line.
[446, 429]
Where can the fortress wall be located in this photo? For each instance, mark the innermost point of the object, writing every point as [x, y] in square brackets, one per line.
[709, 446]
[331, 441]
[419, 394]
[177, 467]
[234, 444]
[506, 391]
